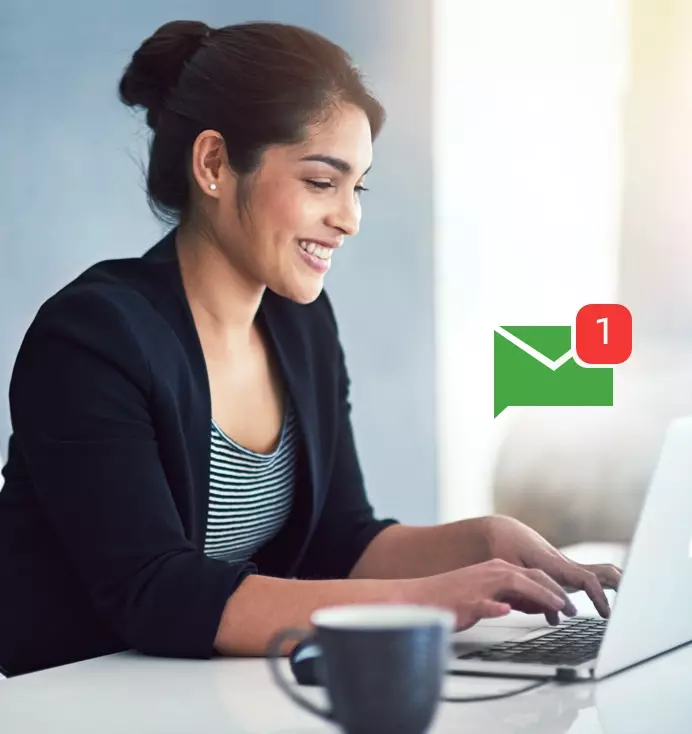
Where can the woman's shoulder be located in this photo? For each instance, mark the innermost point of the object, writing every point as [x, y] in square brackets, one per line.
[107, 313]
[92, 331]
[120, 290]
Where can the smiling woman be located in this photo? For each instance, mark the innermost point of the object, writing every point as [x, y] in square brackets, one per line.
[182, 475]
[179, 419]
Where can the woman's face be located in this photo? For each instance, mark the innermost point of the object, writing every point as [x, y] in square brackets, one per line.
[302, 203]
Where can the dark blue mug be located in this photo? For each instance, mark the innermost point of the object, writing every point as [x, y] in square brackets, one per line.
[382, 665]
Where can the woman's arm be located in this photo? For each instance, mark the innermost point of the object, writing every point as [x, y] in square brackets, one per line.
[407, 551]
[263, 605]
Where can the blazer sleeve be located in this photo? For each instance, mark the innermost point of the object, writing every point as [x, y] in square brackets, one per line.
[347, 523]
[80, 415]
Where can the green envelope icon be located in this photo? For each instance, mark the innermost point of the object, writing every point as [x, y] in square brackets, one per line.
[534, 366]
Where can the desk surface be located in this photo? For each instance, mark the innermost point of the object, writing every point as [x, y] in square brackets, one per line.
[133, 694]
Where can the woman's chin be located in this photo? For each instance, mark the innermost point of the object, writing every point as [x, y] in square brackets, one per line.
[303, 292]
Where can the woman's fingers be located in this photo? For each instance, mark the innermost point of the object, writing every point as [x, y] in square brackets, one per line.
[608, 574]
[589, 578]
[580, 577]
[491, 608]
[543, 578]
[520, 604]
[519, 586]
[553, 618]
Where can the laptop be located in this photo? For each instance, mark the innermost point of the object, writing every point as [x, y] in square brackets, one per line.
[651, 612]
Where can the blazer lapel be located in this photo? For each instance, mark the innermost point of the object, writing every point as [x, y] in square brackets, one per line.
[171, 301]
[292, 348]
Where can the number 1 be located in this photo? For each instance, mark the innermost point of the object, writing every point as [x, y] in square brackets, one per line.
[605, 329]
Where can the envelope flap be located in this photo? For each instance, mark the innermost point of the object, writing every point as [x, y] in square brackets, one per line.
[550, 341]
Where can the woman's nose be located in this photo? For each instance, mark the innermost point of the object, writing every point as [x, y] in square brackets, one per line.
[346, 216]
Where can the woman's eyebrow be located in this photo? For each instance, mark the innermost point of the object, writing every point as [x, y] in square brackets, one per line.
[338, 163]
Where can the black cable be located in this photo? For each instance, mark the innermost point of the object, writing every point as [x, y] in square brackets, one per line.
[494, 696]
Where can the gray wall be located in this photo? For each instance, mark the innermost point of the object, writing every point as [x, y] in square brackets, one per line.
[72, 194]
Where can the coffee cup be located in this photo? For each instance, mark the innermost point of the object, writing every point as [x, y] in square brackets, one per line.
[382, 665]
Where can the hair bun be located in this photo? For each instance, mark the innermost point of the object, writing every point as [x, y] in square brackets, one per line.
[157, 64]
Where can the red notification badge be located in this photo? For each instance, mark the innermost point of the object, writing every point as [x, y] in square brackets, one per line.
[603, 334]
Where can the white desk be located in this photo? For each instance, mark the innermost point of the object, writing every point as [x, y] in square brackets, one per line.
[132, 694]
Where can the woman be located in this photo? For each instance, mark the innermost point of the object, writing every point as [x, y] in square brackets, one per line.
[182, 477]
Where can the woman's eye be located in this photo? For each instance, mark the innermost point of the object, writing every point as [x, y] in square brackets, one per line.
[320, 184]
[329, 185]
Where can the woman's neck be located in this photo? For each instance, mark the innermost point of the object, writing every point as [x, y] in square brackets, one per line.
[223, 301]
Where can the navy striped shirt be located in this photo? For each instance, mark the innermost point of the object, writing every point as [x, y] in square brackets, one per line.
[250, 494]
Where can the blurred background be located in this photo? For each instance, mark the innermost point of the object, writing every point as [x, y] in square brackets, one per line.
[537, 157]
[562, 146]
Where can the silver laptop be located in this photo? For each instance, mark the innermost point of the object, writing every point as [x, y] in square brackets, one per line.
[652, 610]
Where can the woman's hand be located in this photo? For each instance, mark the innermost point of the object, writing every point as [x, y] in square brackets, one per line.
[490, 589]
[514, 542]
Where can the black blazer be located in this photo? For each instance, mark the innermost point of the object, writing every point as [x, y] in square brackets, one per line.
[103, 512]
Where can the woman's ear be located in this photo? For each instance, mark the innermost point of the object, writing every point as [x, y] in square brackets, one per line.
[210, 162]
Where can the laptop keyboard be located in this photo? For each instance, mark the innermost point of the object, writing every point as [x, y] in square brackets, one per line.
[572, 642]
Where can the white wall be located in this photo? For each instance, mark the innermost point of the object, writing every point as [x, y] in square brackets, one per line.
[528, 175]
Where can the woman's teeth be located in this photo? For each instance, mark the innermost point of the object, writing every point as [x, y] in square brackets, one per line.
[312, 248]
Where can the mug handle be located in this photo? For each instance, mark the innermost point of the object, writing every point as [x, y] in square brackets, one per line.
[273, 656]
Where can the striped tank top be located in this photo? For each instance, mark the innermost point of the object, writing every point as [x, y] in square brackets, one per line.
[250, 494]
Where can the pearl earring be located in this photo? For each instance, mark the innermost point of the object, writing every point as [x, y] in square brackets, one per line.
[212, 187]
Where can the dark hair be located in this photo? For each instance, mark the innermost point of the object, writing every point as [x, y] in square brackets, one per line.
[257, 84]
